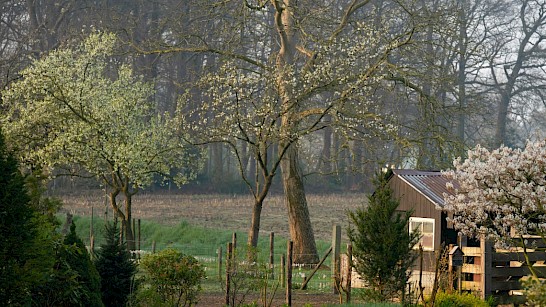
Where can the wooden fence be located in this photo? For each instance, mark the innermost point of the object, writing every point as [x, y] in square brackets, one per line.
[496, 272]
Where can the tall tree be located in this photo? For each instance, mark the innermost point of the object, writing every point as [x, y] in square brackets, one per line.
[518, 66]
[320, 68]
[74, 112]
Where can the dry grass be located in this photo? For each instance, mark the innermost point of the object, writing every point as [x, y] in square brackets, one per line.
[226, 212]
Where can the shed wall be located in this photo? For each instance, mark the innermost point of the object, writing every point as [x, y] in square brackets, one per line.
[411, 199]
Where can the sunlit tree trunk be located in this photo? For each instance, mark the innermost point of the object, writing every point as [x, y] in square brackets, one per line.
[301, 231]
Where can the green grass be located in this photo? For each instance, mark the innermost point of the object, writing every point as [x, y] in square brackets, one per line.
[203, 243]
[193, 240]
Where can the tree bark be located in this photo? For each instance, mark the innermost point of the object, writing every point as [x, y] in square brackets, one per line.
[301, 231]
[461, 77]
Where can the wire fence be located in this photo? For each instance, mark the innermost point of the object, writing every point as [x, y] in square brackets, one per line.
[214, 261]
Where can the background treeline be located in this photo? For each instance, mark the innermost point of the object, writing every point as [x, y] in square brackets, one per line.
[473, 72]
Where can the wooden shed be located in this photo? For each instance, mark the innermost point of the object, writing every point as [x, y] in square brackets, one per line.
[422, 193]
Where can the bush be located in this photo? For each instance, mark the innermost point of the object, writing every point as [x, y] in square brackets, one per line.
[535, 291]
[171, 278]
[115, 267]
[78, 259]
[459, 300]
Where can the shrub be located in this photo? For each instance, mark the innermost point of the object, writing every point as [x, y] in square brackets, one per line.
[444, 299]
[170, 277]
[79, 260]
[535, 291]
[115, 267]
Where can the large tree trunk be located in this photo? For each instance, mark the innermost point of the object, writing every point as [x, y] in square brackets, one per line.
[123, 215]
[301, 231]
[502, 118]
[461, 78]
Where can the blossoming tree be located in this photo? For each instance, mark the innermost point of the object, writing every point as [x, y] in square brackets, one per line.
[78, 112]
[500, 193]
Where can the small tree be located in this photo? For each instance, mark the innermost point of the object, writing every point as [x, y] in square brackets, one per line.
[172, 278]
[79, 260]
[76, 112]
[382, 243]
[499, 192]
[115, 267]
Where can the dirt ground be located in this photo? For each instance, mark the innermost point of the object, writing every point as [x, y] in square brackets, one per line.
[298, 299]
[229, 212]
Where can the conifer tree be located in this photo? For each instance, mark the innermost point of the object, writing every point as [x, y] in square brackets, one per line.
[79, 260]
[17, 230]
[382, 244]
[115, 267]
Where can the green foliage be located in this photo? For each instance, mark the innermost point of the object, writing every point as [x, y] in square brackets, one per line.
[115, 267]
[535, 291]
[79, 260]
[79, 110]
[382, 244]
[171, 277]
[444, 299]
[18, 230]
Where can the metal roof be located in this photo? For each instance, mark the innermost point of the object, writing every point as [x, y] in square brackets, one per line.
[429, 183]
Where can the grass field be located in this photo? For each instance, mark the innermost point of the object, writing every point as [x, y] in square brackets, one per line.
[200, 224]
[224, 212]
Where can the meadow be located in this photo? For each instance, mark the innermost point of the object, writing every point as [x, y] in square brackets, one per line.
[200, 225]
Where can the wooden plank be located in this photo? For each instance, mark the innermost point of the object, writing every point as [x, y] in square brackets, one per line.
[472, 268]
[519, 256]
[505, 285]
[471, 251]
[516, 271]
[470, 285]
[535, 242]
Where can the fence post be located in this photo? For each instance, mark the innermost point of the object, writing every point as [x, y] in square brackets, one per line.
[219, 251]
[134, 234]
[336, 246]
[229, 257]
[283, 271]
[153, 247]
[486, 263]
[91, 227]
[289, 273]
[349, 271]
[271, 254]
[139, 237]
[234, 241]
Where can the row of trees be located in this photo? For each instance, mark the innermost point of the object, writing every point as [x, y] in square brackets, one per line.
[276, 86]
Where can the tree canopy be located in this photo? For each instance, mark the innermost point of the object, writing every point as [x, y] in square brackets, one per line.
[80, 111]
[499, 191]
